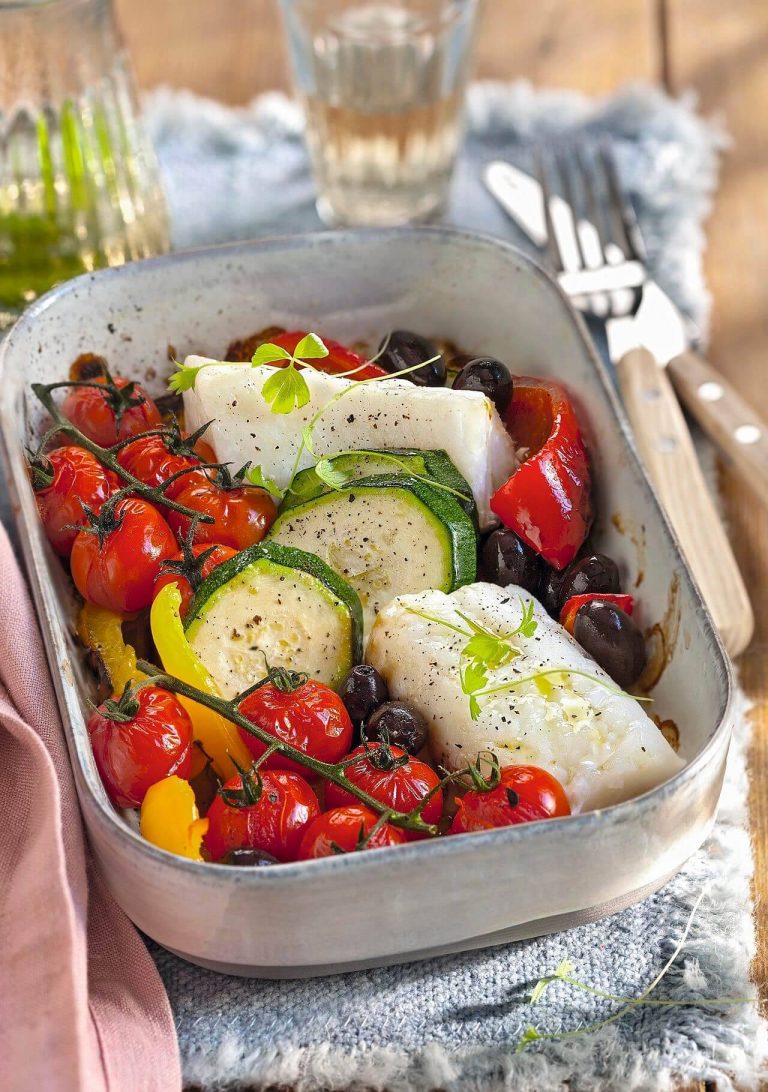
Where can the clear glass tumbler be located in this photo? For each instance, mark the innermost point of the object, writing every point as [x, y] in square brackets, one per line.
[382, 85]
[78, 182]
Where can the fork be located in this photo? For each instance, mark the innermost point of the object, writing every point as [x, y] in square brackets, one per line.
[592, 226]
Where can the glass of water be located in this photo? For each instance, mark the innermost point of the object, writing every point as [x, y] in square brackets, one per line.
[382, 84]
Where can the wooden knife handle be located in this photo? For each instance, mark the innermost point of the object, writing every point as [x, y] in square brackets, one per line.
[667, 449]
[725, 416]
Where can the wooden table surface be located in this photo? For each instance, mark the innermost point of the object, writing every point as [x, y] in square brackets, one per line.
[233, 51]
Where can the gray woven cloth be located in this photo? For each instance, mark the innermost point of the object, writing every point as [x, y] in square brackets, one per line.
[454, 1022]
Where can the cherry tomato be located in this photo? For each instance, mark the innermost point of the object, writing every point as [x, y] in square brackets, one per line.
[339, 359]
[345, 828]
[547, 501]
[77, 476]
[149, 459]
[274, 823]
[524, 794]
[119, 572]
[310, 716]
[94, 411]
[402, 787]
[153, 743]
[242, 514]
[190, 577]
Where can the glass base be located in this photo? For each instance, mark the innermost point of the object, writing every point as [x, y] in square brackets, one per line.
[372, 210]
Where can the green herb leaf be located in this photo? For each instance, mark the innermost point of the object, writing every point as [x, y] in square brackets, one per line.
[528, 625]
[286, 390]
[334, 479]
[530, 1035]
[311, 347]
[474, 707]
[184, 378]
[257, 477]
[268, 354]
[473, 677]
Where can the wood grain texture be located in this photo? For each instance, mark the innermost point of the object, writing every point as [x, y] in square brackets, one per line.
[665, 444]
[233, 50]
[720, 50]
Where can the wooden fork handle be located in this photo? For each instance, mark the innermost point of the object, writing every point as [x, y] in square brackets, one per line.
[667, 450]
[724, 415]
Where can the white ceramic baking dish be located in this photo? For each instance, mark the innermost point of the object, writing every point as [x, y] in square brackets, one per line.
[430, 897]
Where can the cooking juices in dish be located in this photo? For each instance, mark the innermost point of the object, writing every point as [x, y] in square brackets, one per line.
[365, 592]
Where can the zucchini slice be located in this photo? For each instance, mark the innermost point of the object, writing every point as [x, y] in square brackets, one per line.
[399, 462]
[276, 602]
[386, 536]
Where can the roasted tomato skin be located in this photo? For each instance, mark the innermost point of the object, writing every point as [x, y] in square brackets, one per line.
[340, 358]
[89, 409]
[312, 718]
[219, 554]
[400, 787]
[149, 460]
[120, 572]
[78, 477]
[547, 501]
[242, 515]
[339, 831]
[524, 794]
[133, 755]
[274, 825]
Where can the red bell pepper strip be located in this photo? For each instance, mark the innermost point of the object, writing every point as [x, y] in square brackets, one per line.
[547, 500]
[572, 606]
[339, 359]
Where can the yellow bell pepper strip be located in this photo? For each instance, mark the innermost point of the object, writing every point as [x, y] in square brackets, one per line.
[218, 737]
[170, 819]
[101, 630]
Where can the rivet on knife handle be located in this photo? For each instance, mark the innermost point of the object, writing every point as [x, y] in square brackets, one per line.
[667, 450]
[721, 411]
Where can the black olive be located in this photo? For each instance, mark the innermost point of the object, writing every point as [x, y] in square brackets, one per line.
[249, 858]
[611, 638]
[488, 376]
[402, 349]
[398, 723]
[362, 691]
[507, 560]
[594, 573]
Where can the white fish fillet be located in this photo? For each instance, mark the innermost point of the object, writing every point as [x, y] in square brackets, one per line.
[390, 414]
[600, 744]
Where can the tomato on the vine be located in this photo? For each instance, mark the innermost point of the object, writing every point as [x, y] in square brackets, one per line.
[346, 830]
[78, 478]
[393, 777]
[138, 740]
[242, 514]
[300, 711]
[119, 410]
[153, 461]
[267, 810]
[188, 572]
[116, 563]
[524, 793]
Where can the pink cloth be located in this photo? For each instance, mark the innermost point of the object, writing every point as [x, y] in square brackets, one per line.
[82, 1007]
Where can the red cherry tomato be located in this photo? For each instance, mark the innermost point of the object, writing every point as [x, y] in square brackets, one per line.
[311, 717]
[149, 460]
[343, 830]
[339, 359]
[242, 515]
[188, 584]
[576, 602]
[119, 573]
[274, 824]
[154, 743]
[547, 500]
[94, 411]
[77, 476]
[402, 787]
[524, 794]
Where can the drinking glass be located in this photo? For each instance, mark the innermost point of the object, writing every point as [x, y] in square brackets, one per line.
[382, 85]
[78, 182]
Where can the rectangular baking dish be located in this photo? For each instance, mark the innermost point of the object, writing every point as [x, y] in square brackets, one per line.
[425, 898]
